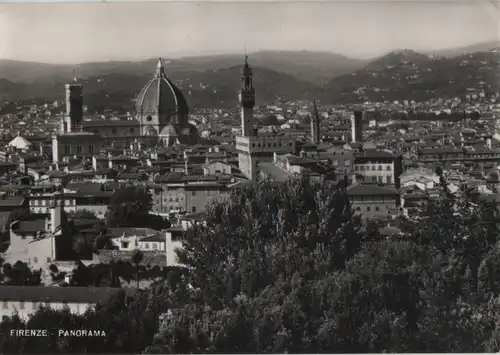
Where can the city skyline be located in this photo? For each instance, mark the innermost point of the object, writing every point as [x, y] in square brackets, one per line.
[63, 33]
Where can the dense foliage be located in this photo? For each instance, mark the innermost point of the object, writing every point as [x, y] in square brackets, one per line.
[128, 206]
[289, 268]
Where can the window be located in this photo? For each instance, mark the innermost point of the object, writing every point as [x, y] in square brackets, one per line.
[132, 130]
[155, 246]
[389, 179]
[193, 209]
[125, 245]
[388, 167]
[5, 305]
[335, 163]
[146, 245]
[193, 193]
[113, 130]
[377, 208]
[91, 149]
[368, 209]
[149, 118]
[347, 162]
[21, 304]
[380, 167]
[79, 149]
[35, 259]
[67, 149]
[34, 305]
[48, 259]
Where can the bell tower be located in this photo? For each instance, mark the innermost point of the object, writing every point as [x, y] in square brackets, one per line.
[315, 125]
[247, 100]
[74, 107]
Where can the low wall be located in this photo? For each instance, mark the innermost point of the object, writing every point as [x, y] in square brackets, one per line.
[150, 257]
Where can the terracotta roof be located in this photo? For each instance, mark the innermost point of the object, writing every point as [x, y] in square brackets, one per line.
[371, 190]
[116, 123]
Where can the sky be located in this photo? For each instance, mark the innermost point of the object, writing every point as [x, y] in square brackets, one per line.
[85, 32]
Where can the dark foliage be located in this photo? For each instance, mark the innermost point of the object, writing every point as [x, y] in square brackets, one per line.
[288, 268]
[129, 206]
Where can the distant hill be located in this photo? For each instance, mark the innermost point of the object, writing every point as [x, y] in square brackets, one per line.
[213, 81]
[395, 58]
[315, 67]
[479, 47]
[211, 88]
[410, 76]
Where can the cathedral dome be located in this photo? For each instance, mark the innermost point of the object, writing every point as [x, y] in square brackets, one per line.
[168, 131]
[161, 98]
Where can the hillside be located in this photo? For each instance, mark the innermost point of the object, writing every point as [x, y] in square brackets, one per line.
[478, 47]
[213, 88]
[316, 67]
[415, 77]
[395, 58]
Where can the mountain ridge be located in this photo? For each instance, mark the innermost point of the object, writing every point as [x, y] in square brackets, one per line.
[397, 75]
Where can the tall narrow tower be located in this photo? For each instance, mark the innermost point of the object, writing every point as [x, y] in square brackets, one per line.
[247, 100]
[74, 107]
[315, 124]
[356, 127]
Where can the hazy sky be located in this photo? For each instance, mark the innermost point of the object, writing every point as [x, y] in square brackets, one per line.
[75, 33]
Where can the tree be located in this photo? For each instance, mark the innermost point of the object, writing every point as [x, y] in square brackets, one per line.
[83, 214]
[16, 215]
[136, 259]
[287, 268]
[128, 206]
[270, 120]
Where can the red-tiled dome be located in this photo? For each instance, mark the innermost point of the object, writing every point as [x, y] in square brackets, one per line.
[160, 97]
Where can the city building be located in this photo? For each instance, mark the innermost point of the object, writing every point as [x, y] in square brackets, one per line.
[374, 166]
[26, 300]
[372, 200]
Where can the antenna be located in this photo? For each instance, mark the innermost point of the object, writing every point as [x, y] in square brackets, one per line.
[74, 75]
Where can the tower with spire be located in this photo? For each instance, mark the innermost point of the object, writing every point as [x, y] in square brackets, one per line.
[255, 150]
[247, 100]
[315, 125]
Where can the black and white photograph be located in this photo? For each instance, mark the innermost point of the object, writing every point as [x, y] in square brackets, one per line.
[190, 177]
